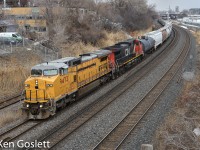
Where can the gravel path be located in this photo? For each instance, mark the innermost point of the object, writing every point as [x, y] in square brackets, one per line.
[92, 132]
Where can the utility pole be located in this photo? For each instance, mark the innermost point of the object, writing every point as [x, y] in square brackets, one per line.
[4, 3]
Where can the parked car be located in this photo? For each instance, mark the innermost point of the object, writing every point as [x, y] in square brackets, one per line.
[10, 38]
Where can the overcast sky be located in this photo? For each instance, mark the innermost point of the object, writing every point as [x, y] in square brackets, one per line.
[183, 4]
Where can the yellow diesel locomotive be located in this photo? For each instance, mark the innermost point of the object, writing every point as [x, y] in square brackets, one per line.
[53, 84]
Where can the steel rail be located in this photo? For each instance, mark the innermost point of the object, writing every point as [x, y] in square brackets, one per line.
[10, 101]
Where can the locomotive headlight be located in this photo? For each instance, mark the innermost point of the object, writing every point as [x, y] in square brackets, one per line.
[49, 85]
[36, 82]
[41, 106]
[27, 105]
[27, 85]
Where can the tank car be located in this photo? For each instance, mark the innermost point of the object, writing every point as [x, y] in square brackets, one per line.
[147, 44]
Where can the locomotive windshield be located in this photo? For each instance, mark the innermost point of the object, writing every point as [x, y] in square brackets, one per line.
[36, 72]
[50, 72]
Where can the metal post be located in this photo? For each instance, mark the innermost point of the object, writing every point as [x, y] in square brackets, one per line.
[3, 43]
[4, 3]
[146, 147]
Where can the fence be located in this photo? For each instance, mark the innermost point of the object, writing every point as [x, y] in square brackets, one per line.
[8, 47]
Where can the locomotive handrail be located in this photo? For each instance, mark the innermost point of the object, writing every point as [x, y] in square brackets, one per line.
[23, 95]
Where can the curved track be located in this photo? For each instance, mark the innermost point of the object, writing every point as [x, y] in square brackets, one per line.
[118, 135]
[72, 124]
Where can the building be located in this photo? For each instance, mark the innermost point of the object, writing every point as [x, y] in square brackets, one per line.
[33, 15]
[194, 11]
[27, 18]
[8, 26]
[177, 9]
[14, 3]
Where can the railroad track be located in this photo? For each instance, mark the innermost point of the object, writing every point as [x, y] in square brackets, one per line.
[116, 137]
[72, 124]
[19, 130]
[10, 101]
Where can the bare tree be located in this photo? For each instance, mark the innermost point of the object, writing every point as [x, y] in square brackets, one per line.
[132, 14]
[84, 20]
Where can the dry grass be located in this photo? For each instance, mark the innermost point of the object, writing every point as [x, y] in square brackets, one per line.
[177, 130]
[140, 32]
[11, 80]
[112, 38]
[197, 35]
[77, 48]
[14, 69]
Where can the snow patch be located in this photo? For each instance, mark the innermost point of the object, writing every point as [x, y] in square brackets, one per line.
[188, 76]
[197, 131]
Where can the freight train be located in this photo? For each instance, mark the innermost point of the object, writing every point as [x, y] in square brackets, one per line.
[53, 84]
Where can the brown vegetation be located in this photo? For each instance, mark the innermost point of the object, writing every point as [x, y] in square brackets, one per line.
[132, 14]
[14, 69]
[197, 35]
[77, 48]
[85, 21]
[177, 131]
